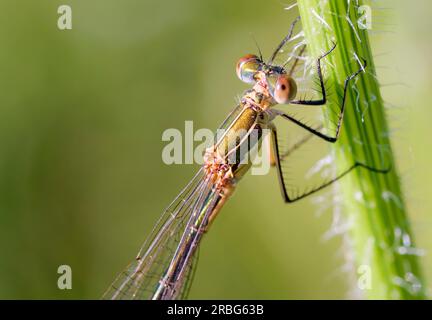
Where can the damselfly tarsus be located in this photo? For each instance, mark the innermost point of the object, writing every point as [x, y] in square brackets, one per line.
[164, 266]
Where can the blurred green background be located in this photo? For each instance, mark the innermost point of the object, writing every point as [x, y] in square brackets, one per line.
[82, 115]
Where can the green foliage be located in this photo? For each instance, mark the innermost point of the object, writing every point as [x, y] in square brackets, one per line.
[380, 232]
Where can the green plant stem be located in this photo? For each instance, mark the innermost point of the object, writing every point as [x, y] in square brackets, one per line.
[386, 260]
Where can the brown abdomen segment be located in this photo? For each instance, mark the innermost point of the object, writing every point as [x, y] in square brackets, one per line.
[235, 144]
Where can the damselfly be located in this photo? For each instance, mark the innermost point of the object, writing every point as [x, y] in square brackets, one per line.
[163, 267]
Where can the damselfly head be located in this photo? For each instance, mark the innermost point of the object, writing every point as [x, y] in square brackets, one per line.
[280, 85]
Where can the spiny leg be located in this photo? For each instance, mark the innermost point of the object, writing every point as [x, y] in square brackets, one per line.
[304, 139]
[278, 159]
[293, 148]
[316, 132]
[323, 99]
[293, 67]
[284, 41]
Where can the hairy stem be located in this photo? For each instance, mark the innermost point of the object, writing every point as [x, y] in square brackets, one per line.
[386, 260]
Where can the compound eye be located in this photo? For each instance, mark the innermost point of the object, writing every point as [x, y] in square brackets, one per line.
[282, 87]
[247, 67]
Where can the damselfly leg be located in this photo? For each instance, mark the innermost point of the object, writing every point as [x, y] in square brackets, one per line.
[278, 157]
